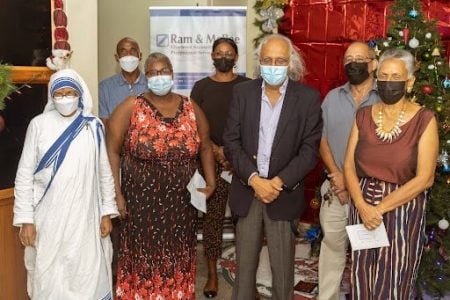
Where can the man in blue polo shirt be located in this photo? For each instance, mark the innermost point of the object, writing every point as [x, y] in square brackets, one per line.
[338, 111]
[130, 81]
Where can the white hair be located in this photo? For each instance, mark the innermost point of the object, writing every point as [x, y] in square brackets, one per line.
[296, 67]
[401, 54]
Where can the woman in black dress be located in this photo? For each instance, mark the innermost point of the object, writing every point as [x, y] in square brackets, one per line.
[213, 94]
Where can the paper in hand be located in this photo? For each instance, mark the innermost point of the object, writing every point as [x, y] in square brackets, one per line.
[362, 238]
[198, 199]
[227, 176]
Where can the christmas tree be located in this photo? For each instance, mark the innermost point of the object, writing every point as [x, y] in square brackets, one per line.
[409, 29]
[6, 87]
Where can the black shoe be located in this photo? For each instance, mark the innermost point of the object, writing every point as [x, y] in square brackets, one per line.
[210, 294]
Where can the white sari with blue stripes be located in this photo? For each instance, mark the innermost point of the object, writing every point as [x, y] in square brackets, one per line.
[70, 260]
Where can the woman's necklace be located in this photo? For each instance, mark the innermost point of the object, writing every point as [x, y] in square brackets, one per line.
[395, 131]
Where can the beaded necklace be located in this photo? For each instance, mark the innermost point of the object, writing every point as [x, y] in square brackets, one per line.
[395, 131]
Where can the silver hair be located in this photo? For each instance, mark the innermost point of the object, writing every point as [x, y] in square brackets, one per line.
[296, 67]
[401, 54]
[159, 57]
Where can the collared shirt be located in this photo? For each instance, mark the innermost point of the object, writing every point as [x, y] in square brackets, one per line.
[338, 112]
[113, 90]
[268, 124]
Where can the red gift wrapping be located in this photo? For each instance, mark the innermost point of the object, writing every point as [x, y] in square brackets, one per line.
[322, 30]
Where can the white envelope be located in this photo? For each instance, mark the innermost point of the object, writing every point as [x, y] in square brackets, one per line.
[227, 176]
[198, 199]
[362, 238]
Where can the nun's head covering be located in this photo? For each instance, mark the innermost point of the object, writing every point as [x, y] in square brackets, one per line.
[68, 78]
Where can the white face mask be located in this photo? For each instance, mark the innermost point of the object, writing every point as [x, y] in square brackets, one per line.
[129, 63]
[66, 105]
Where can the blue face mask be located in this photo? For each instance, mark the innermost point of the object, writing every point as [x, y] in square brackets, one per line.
[160, 85]
[274, 75]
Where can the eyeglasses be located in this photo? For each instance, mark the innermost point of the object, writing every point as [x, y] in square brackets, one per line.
[163, 71]
[219, 54]
[59, 96]
[279, 61]
[358, 59]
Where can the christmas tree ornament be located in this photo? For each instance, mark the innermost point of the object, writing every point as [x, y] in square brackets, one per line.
[436, 52]
[428, 35]
[431, 67]
[438, 107]
[427, 247]
[444, 253]
[315, 203]
[439, 63]
[413, 43]
[446, 168]
[372, 44]
[427, 89]
[446, 128]
[405, 34]
[442, 158]
[386, 44]
[426, 55]
[413, 13]
[432, 235]
[446, 83]
[270, 16]
[376, 50]
[400, 33]
[443, 224]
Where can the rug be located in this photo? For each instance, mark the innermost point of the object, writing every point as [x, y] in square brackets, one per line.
[305, 270]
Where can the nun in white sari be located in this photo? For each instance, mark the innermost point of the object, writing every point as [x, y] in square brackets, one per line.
[64, 197]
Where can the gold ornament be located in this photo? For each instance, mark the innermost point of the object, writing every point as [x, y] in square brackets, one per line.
[436, 52]
[314, 203]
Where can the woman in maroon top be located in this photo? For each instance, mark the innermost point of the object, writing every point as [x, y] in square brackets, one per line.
[389, 167]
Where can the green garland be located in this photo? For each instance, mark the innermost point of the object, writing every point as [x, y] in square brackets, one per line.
[6, 87]
[264, 5]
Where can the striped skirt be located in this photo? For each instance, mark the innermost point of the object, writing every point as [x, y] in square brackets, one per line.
[389, 272]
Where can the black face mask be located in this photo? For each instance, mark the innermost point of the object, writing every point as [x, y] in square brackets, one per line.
[357, 72]
[391, 92]
[223, 65]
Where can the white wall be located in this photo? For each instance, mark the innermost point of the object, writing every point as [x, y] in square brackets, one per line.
[119, 18]
[83, 39]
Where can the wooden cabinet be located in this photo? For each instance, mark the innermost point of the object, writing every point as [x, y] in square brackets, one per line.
[12, 270]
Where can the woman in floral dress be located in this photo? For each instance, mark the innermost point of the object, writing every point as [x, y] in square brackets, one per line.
[156, 139]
